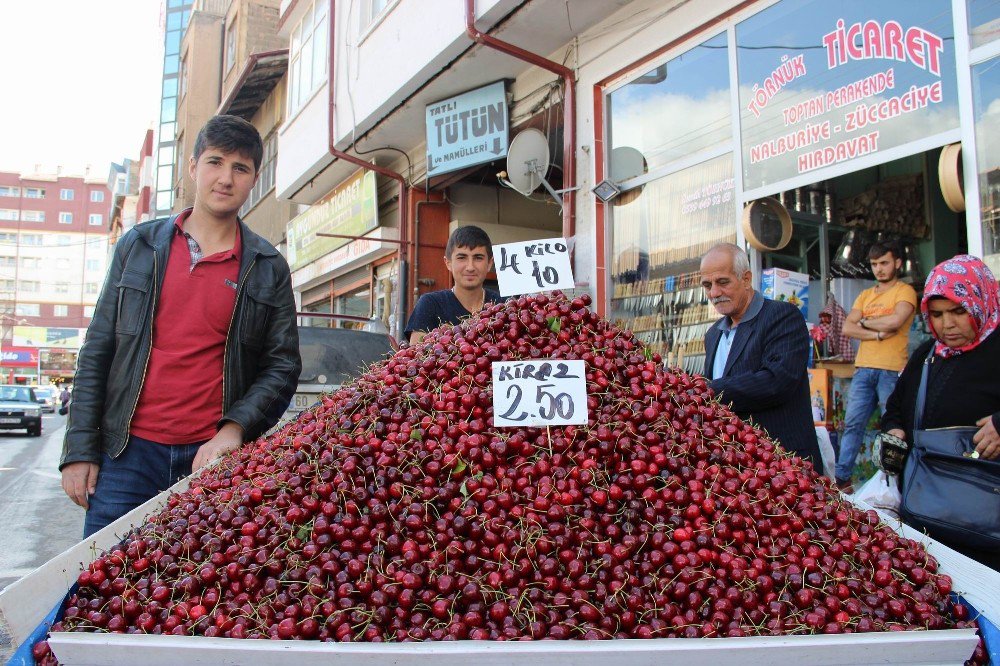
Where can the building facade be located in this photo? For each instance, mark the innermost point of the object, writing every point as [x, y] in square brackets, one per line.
[258, 94]
[223, 39]
[804, 130]
[131, 185]
[175, 19]
[53, 258]
[200, 86]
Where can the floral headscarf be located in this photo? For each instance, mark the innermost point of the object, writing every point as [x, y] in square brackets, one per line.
[966, 281]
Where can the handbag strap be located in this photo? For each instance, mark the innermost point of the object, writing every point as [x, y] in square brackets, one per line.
[918, 411]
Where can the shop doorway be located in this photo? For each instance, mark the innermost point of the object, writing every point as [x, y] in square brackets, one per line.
[835, 222]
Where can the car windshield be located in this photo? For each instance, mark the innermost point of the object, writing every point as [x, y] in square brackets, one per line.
[45, 392]
[15, 393]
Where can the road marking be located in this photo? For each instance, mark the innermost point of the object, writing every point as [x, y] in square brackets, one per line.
[47, 475]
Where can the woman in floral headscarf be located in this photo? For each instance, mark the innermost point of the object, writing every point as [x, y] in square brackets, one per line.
[961, 304]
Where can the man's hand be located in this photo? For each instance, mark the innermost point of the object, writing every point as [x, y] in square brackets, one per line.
[230, 436]
[987, 440]
[79, 481]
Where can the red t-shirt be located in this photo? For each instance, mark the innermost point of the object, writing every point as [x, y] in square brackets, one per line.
[181, 397]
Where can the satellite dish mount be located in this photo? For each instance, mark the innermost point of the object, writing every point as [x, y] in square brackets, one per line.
[527, 164]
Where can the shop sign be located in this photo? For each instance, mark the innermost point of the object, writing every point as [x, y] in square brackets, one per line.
[42, 336]
[467, 129]
[348, 256]
[542, 392]
[824, 83]
[351, 209]
[18, 357]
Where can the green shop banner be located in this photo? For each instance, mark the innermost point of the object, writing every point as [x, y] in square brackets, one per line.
[351, 209]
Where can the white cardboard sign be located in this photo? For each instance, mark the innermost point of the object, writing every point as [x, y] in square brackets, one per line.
[539, 392]
[533, 266]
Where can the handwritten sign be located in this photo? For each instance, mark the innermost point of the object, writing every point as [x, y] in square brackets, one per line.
[539, 392]
[533, 266]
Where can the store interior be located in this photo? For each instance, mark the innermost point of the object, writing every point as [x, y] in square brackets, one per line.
[835, 222]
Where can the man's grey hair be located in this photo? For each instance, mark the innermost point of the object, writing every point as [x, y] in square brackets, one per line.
[741, 261]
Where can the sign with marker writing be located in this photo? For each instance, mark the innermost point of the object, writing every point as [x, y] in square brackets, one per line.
[539, 392]
[533, 266]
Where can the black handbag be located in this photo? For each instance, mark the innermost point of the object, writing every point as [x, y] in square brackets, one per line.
[947, 491]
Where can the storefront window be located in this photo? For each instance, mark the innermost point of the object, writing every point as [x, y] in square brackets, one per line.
[357, 304]
[986, 92]
[676, 109]
[659, 236]
[984, 21]
[824, 83]
[324, 307]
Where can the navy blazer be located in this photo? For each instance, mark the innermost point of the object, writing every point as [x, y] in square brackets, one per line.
[765, 377]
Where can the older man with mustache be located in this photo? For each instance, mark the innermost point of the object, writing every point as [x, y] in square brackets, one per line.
[756, 355]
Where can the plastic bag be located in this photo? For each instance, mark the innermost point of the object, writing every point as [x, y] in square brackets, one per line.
[826, 452]
[882, 492]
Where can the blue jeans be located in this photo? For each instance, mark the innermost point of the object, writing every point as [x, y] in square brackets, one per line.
[869, 387]
[142, 471]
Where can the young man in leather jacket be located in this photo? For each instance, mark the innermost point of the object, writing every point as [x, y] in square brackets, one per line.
[193, 346]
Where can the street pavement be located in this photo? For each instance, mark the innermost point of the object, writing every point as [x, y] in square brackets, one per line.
[37, 520]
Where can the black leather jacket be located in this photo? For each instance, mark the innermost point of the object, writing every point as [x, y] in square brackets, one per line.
[262, 362]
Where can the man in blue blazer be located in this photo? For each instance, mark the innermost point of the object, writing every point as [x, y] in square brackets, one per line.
[756, 355]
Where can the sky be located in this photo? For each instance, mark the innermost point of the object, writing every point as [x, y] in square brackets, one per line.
[81, 82]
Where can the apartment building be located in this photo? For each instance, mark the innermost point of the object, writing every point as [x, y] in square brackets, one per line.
[53, 258]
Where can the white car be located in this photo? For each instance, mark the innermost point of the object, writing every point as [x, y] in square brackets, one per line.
[19, 408]
[48, 398]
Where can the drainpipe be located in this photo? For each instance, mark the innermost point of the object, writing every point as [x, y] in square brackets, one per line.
[402, 305]
[569, 111]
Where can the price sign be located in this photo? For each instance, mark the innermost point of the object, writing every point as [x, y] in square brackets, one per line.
[533, 266]
[539, 392]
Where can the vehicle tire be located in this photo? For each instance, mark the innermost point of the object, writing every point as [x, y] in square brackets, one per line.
[35, 431]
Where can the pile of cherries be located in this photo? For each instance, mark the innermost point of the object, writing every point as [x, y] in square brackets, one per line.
[395, 511]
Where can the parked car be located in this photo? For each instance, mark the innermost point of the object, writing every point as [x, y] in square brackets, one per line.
[331, 357]
[48, 398]
[19, 408]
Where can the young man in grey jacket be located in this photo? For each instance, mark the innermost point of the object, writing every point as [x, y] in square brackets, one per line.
[193, 346]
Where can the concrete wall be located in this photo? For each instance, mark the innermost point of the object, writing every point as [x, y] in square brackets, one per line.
[377, 67]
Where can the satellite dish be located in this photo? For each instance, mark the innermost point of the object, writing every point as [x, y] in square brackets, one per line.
[626, 163]
[528, 160]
